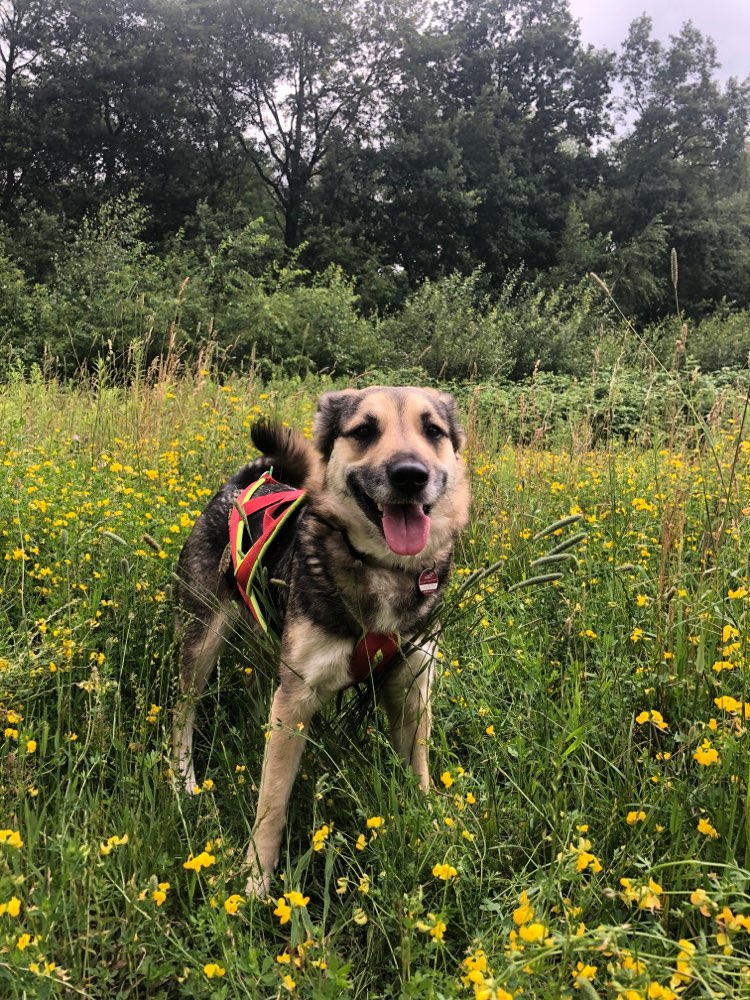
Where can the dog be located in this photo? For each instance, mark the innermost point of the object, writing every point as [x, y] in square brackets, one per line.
[367, 552]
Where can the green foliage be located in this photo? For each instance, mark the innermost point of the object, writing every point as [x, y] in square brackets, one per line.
[396, 146]
[721, 340]
[450, 329]
[641, 403]
[283, 322]
[111, 295]
[17, 314]
[558, 329]
[713, 343]
[680, 173]
[637, 275]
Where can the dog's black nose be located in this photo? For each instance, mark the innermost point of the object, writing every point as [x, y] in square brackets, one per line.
[408, 475]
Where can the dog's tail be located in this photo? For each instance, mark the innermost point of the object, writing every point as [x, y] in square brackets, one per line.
[286, 452]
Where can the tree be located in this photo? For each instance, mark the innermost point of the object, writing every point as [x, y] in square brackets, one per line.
[533, 101]
[680, 166]
[210, 62]
[23, 26]
[491, 134]
[316, 70]
[113, 103]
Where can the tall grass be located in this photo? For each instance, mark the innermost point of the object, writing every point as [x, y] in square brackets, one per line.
[587, 831]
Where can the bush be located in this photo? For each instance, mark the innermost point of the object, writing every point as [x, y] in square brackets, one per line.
[721, 340]
[281, 320]
[19, 339]
[622, 403]
[450, 329]
[111, 294]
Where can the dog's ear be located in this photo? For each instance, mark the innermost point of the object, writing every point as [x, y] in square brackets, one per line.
[450, 411]
[333, 408]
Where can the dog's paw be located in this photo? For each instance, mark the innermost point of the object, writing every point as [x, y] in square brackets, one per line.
[259, 875]
[258, 886]
[184, 781]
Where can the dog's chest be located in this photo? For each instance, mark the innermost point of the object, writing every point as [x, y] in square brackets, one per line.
[386, 601]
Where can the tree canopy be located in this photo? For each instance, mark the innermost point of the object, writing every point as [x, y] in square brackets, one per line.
[400, 140]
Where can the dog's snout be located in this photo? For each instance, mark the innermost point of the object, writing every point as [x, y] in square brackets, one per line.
[408, 475]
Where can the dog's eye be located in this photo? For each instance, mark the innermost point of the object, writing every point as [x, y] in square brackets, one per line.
[364, 433]
[433, 432]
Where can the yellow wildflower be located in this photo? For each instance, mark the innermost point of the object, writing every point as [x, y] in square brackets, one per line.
[159, 894]
[232, 903]
[297, 899]
[320, 836]
[202, 860]
[533, 933]
[706, 755]
[113, 842]
[283, 911]
[525, 913]
[635, 816]
[654, 717]
[436, 927]
[12, 907]
[582, 971]
[444, 872]
[705, 827]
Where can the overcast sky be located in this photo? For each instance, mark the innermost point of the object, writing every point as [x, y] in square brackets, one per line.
[604, 23]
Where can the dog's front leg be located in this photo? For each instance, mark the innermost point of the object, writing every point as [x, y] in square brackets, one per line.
[405, 696]
[293, 707]
[314, 666]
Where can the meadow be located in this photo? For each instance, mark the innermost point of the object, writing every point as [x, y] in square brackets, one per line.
[587, 832]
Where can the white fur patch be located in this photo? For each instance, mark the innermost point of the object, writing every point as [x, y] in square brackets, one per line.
[320, 661]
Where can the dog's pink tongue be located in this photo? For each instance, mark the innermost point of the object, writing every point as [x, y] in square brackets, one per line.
[406, 528]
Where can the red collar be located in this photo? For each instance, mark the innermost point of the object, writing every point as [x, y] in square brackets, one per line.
[372, 655]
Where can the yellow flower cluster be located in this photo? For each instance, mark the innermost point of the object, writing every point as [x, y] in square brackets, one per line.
[529, 931]
[12, 838]
[479, 975]
[444, 872]
[647, 896]
[706, 754]
[203, 860]
[289, 901]
[580, 857]
[654, 717]
[111, 843]
[320, 836]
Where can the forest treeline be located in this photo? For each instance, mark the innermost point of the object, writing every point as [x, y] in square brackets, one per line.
[315, 178]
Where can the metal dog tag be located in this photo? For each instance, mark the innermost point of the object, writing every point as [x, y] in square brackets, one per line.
[428, 581]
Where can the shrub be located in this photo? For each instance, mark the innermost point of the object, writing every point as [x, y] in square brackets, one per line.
[19, 339]
[450, 329]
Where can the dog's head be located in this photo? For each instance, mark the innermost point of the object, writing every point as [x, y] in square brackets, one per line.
[393, 470]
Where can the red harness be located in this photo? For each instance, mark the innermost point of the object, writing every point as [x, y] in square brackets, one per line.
[373, 653]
